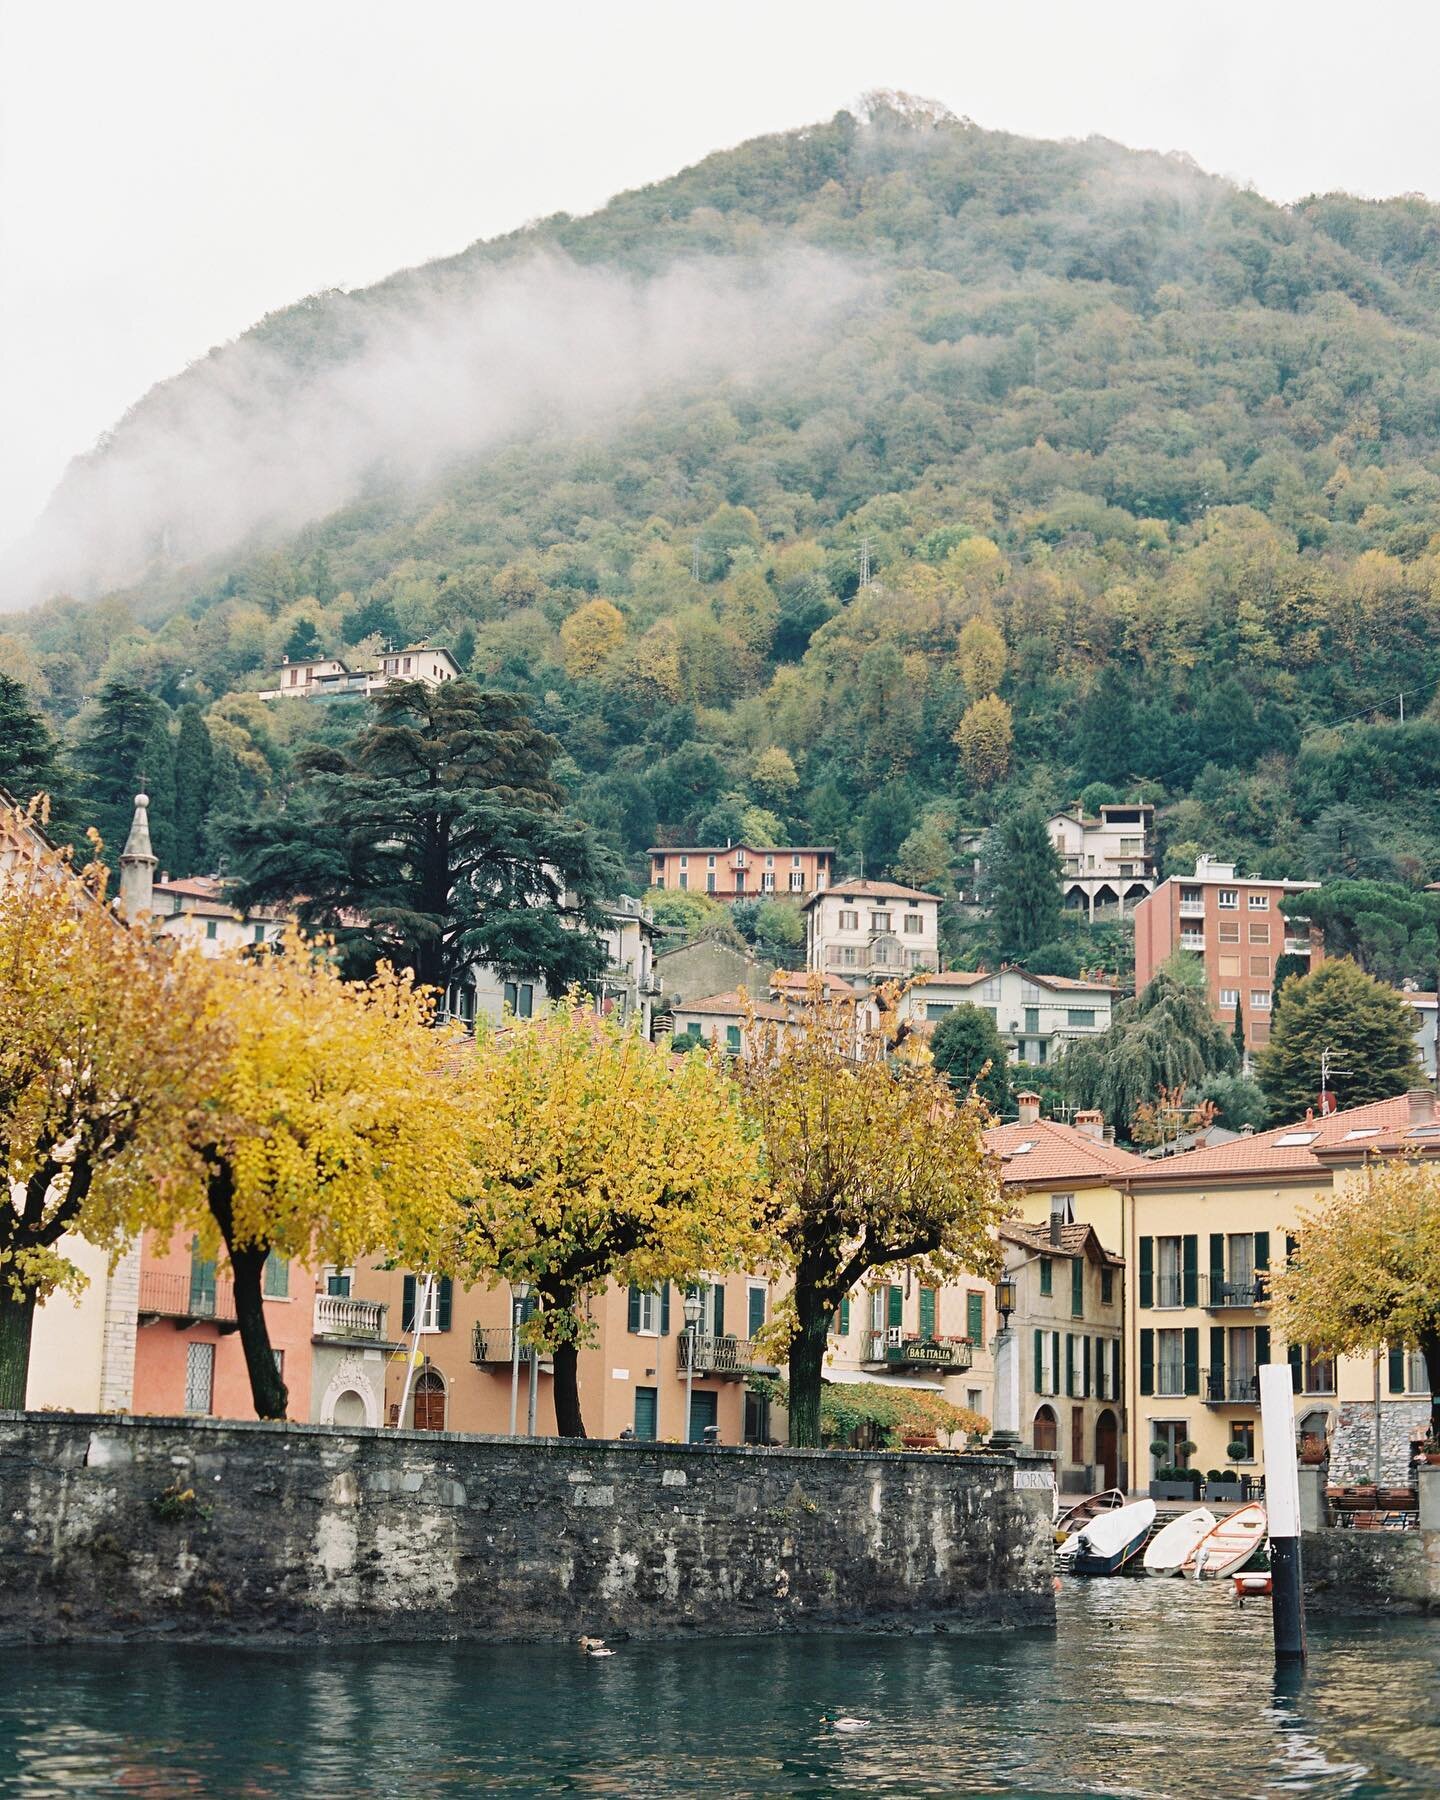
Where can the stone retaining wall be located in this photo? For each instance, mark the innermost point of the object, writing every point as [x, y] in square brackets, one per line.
[1370, 1572]
[208, 1529]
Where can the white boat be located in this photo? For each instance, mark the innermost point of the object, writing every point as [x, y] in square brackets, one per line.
[1173, 1545]
[1109, 1541]
[1231, 1544]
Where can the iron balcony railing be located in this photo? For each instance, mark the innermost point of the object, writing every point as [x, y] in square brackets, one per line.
[1230, 1387]
[719, 1355]
[896, 1347]
[491, 1347]
[347, 1316]
[174, 1294]
[1225, 1294]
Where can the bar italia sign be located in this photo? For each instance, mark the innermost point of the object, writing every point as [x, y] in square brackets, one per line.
[927, 1350]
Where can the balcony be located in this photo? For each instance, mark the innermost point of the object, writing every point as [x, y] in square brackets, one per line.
[1226, 1296]
[1297, 946]
[1227, 1387]
[725, 1356]
[1192, 909]
[178, 1295]
[344, 1316]
[896, 1349]
[491, 1346]
[1192, 940]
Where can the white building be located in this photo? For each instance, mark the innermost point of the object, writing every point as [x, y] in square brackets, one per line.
[627, 987]
[1035, 1014]
[1106, 861]
[328, 678]
[872, 931]
[193, 909]
[1425, 1027]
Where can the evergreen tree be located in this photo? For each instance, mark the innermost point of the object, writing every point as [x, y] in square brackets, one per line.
[1368, 1028]
[886, 820]
[463, 648]
[964, 1041]
[157, 778]
[29, 756]
[1020, 883]
[194, 773]
[110, 755]
[1106, 750]
[437, 839]
[1237, 1032]
[1229, 729]
[226, 813]
[322, 582]
[303, 643]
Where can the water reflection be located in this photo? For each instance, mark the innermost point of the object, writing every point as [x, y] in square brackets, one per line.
[1148, 1688]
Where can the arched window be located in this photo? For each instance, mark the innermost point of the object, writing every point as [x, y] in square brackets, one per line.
[430, 1402]
[1046, 1432]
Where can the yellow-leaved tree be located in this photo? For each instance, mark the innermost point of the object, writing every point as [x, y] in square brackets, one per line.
[340, 1123]
[872, 1163]
[1364, 1273]
[101, 1052]
[608, 1159]
[985, 738]
[590, 636]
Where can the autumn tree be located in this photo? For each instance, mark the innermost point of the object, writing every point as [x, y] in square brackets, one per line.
[1368, 1028]
[981, 656]
[607, 1160]
[773, 776]
[100, 1054]
[590, 636]
[1365, 1270]
[985, 738]
[873, 1162]
[338, 1123]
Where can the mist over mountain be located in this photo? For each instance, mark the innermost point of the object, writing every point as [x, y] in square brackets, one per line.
[856, 485]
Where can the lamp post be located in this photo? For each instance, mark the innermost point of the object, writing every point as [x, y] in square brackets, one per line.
[692, 1319]
[519, 1294]
[1006, 1432]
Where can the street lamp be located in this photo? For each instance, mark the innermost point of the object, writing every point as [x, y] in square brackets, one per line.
[519, 1294]
[1005, 1299]
[692, 1319]
[1006, 1432]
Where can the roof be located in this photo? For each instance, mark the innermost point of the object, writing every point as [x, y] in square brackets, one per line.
[871, 890]
[1298, 1148]
[970, 977]
[732, 1005]
[1075, 1240]
[1057, 1153]
[729, 849]
[797, 981]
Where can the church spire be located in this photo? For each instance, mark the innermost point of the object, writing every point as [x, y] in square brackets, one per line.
[137, 865]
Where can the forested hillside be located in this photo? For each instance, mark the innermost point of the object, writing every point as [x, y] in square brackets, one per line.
[1055, 467]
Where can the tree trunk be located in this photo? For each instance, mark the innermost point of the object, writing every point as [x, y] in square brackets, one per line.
[267, 1390]
[17, 1317]
[807, 1359]
[1430, 1350]
[568, 1421]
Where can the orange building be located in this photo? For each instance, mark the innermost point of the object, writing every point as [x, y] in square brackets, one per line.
[1235, 925]
[632, 1376]
[743, 871]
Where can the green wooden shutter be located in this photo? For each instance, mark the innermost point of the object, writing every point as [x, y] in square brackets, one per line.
[202, 1280]
[1077, 1286]
[927, 1312]
[1217, 1266]
[665, 1309]
[717, 1309]
[1262, 1252]
[1047, 1276]
[1192, 1359]
[1039, 1362]
[1217, 1358]
[1147, 1272]
[1085, 1382]
[1055, 1361]
[1070, 1364]
[277, 1276]
[1190, 1270]
[633, 1322]
[407, 1305]
[1297, 1368]
[895, 1307]
[1397, 1369]
[1147, 1359]
[445, 1303]
[845, 1317]
[756, 1304]
[975, 1316]
[1262, 1349]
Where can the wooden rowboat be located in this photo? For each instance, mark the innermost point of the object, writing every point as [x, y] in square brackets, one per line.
[1173, 1545]
[1075, 1516]
[1231, 1544]
[1109, 1541]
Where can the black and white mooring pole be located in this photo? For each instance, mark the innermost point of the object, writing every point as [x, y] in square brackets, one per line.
[1282, 1503]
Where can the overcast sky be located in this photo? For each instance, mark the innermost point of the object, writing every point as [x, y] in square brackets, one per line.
[170, 170]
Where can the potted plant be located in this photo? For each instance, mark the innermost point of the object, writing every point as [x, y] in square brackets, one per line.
[1172, 1481]
[1228, 1486]
[1312, 1448]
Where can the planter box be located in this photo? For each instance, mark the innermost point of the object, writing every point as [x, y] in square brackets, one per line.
[1222, 1490]
[1174, 1490]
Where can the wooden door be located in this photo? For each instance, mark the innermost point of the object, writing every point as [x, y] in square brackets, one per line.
[430, 1403]
[1107, 1449]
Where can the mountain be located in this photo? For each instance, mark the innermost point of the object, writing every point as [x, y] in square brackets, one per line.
[856, 485]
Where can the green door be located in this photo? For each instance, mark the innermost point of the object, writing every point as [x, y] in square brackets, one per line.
[704, 1406]
[645, 1413]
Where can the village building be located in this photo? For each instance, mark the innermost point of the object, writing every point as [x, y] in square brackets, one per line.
[710, 963]
[1235, 925]
[1035, 1014]
[1106, 863]
[329, 678]
[193, 909]
[872, 931]
[897, 1332]
[742, 871]
[627, 988]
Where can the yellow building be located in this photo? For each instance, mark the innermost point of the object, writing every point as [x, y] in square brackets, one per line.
[897, 1333]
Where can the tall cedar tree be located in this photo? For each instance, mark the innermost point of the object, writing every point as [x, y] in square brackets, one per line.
[1368, 1028]
[964, 1041]
[194, 774]
[1237, 1033]
[29, 757]
[1020, 878]
[157, 777]
[439, 841]
[110, 755]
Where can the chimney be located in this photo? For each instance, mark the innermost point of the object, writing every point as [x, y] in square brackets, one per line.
[1247, 1129]
[1422, 1105]
[1029, 1105]
[1057, 1219]
[1091, 1125]
[137, 866]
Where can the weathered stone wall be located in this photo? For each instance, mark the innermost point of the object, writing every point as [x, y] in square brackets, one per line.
[204, 1528]
[1352, 1452]
[1358, 1572]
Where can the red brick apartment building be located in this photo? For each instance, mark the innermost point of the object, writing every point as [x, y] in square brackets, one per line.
[1234, 923]
[743, 871]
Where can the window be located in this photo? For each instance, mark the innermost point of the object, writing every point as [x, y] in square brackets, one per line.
[520, 998]
[929, 1310]
[1318, 1372]
[933, 1011]
[1047, 1275]
[757, 1419]
[849, 921]
[1229, 933]
[407, 665]
[684, 880]
[767, 882]
[199, 1378]
[1077, 1286]
[210, 929]
[337, 1282]
[1032, 1018]
[975, 1399]
[276, 1277]
[1228, 996]
[1243, 1432]
[739, 859]
[915, 959]
[794, 862]
[1080, 1016]
[732, 1038]
[684, 862]
[1229, 965]
[879, 921]
[1258, 903]
[1290, 1140]
[1077, 1434]
[1169, 1271]
[649, 1311]
[1259, 931]
[769, 862]
[1107, 1287]
[1045, 1362]
[1228, 899]
[797, 883]
[710, 884]
[709, 862]
[975, 1316]
[847, 957]
[1259, 999]
[1260, 967]
[914, 924]
[1170, 1361]
[755, 1314]
[258, 934]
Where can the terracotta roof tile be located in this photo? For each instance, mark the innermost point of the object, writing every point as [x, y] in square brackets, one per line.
[1075, 1240]
[1292, 1148]
[1057, 1153]
[872, 890]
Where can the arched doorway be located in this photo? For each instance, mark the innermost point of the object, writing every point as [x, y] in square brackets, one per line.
[430, 1402]
[1107, 1448]
[1046, 1431]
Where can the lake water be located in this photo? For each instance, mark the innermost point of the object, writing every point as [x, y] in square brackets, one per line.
[1147, 1688]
